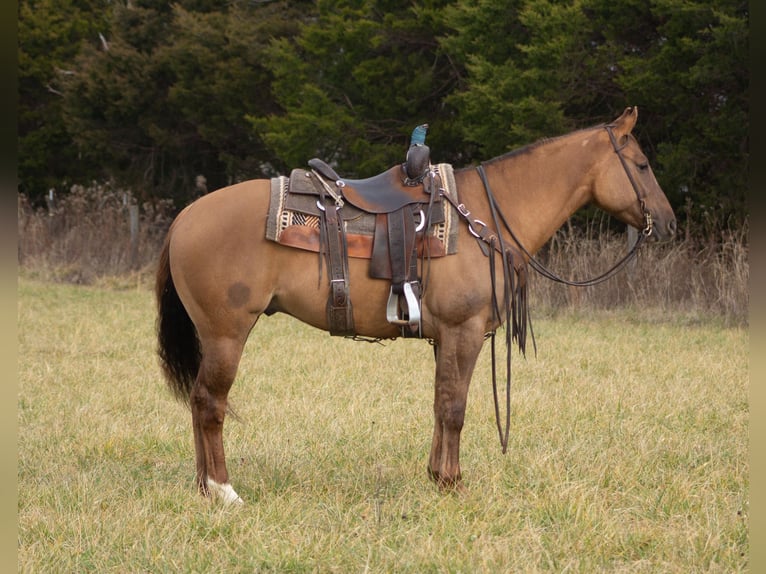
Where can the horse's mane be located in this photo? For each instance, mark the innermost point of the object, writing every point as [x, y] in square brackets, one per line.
[529, 148]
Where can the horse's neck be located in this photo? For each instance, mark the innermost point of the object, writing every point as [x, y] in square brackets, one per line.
[538, 190]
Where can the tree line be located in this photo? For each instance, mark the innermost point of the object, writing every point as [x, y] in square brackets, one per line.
[150, 94]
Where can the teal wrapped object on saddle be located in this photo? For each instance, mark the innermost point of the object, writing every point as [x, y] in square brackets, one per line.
[419, 135]
[418, 156]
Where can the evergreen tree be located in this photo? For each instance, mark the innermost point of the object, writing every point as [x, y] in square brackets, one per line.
[166, 99]
[50, 35]
[354, 83]
[693, 79]
[574, 64]
[152, 94]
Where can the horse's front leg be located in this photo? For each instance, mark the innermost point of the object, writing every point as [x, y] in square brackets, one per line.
[456, 354]
[208, 402]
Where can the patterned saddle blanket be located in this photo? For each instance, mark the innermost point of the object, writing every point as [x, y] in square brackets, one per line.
[294, 212]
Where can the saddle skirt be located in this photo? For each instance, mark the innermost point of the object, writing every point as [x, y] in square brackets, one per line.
[294, 210]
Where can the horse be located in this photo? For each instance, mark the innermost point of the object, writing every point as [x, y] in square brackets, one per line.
[217, 274]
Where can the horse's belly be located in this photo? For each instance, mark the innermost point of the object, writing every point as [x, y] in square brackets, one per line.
[302, 293]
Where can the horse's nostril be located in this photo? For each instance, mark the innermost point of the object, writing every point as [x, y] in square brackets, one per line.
[672, 226]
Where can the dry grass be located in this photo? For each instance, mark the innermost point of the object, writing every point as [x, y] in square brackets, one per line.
[628, 451]
[701, 279]
[86, 237]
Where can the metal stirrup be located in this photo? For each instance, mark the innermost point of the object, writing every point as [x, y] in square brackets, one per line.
[413, 307]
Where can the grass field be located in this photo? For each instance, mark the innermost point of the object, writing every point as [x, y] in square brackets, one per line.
[628, 450]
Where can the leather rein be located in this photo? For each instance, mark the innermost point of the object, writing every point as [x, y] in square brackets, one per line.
[515, 288]
[542, 269]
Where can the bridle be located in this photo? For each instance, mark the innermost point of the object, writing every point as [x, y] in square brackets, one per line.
[542, 269]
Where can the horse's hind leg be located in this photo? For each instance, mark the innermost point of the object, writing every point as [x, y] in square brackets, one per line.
[208, 400]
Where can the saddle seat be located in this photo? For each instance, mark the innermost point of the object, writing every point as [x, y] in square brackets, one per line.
[386, 192]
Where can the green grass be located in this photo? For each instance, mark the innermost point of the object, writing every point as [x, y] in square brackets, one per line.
[628, 450]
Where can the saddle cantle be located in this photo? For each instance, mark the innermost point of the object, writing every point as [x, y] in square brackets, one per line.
[386, 219]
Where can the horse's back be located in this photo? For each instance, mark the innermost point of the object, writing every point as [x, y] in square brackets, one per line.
[244, 200]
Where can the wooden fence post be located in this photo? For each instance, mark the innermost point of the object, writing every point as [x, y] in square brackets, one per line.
[50, 200]
[133, 221]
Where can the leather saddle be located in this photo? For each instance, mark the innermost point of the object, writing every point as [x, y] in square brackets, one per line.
[403, 211]
[383, 193]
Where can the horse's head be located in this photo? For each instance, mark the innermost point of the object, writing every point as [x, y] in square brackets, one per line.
[625, 185]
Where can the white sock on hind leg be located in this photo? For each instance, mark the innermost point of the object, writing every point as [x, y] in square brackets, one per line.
[223, 491]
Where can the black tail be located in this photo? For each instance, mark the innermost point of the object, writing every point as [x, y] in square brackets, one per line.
[179, 347]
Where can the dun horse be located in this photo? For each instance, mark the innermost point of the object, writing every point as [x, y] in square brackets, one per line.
[218, 274]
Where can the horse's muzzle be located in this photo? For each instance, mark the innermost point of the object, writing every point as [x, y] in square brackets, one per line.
[664, 231]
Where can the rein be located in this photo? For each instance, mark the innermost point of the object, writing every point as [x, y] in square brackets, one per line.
[542, 269]
[515, 300]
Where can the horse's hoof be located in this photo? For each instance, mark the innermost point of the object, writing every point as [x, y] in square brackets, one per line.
[224, 492]
[447, 485]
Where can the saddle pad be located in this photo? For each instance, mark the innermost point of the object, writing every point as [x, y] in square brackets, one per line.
[292, 220]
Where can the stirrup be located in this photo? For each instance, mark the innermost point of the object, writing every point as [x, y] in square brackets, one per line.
[413, 307]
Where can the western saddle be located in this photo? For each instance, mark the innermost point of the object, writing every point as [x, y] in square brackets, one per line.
[402, 206]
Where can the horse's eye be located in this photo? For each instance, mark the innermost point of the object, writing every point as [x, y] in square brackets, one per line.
[643, 166]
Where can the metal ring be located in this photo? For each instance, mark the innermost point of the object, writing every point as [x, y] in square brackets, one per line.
[470, 227]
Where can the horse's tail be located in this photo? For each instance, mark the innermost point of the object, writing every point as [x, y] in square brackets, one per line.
[179, 347]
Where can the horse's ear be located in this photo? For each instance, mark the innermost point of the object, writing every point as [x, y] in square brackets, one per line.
[625, 123]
